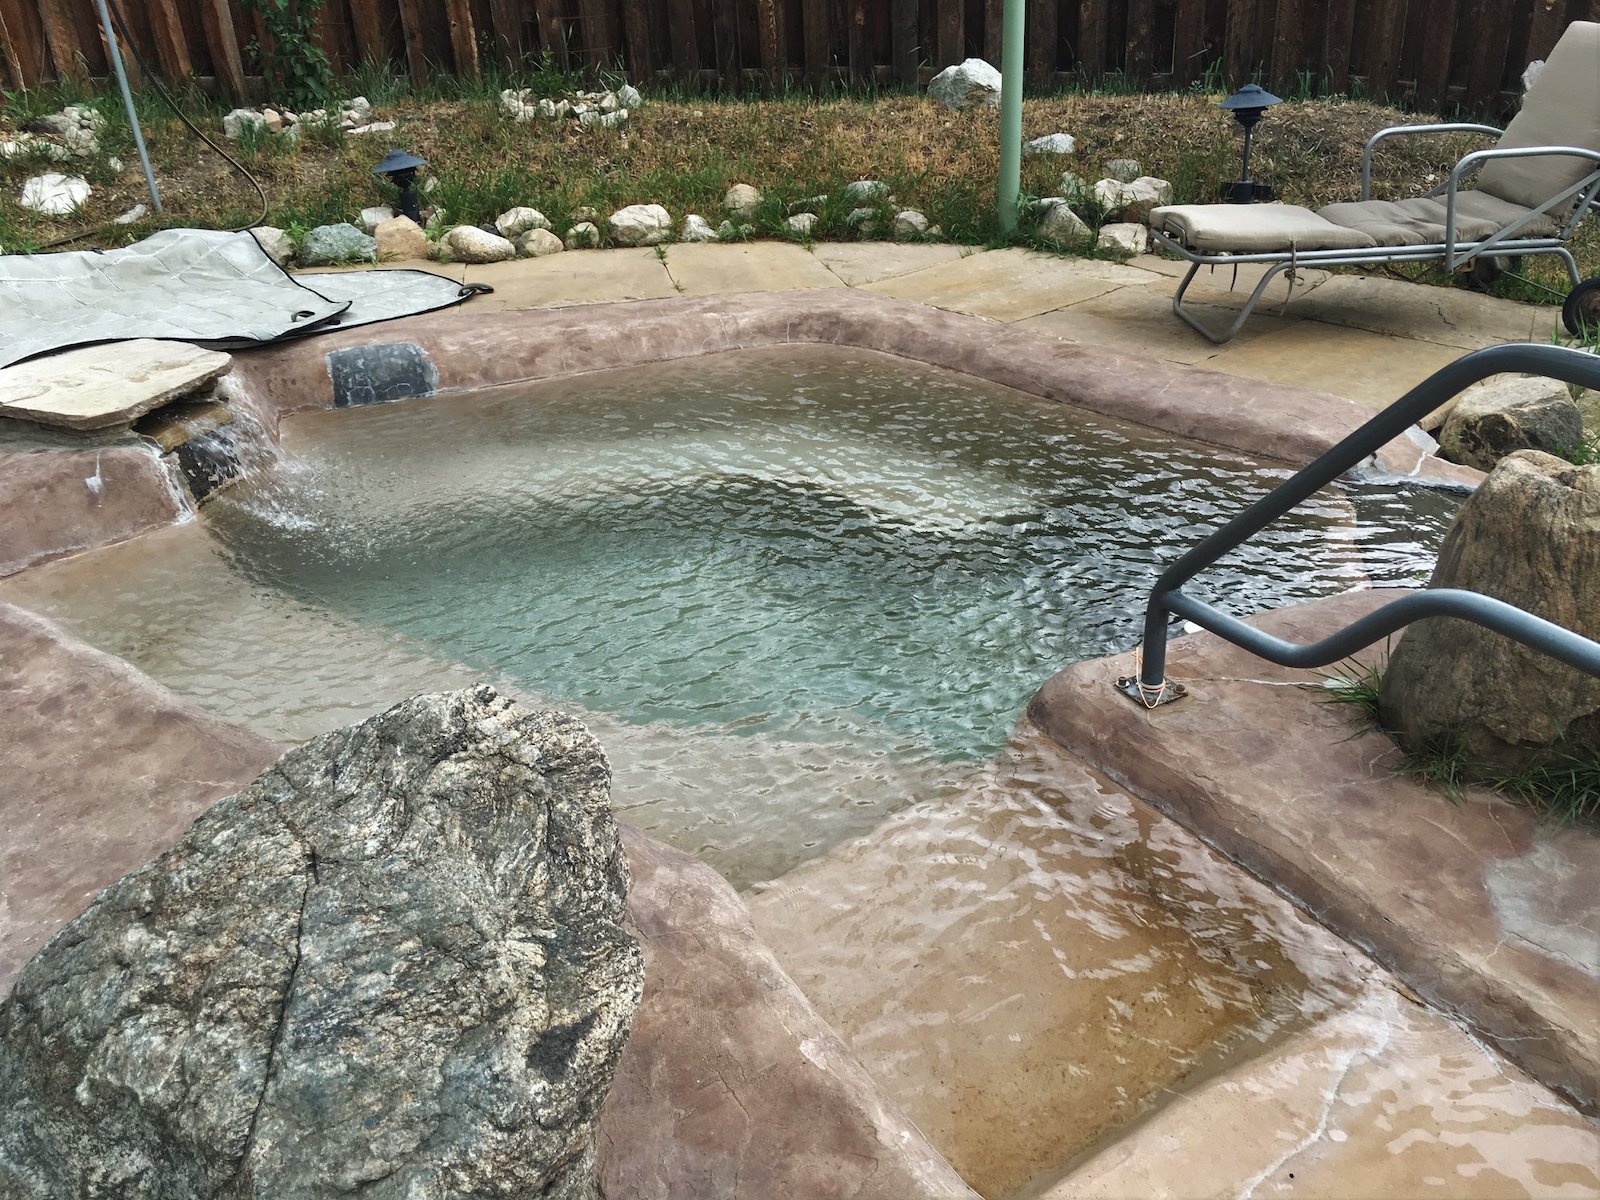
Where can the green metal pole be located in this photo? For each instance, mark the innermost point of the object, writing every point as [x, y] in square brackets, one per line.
[1011, 113]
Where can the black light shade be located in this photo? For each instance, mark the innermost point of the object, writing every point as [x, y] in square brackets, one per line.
[1247, 105]
[400, 169]
[398, 160]
[1251, 95]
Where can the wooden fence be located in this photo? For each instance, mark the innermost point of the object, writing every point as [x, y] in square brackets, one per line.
[1436, 54]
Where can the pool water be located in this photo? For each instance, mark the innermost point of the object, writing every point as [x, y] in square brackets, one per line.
[842, 573]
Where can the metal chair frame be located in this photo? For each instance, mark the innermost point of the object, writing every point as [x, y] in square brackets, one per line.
[1454, 252]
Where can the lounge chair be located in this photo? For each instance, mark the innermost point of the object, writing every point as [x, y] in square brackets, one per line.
[1529, 196]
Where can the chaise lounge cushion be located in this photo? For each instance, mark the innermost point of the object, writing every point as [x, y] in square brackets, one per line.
[1562, 108]
[1254, 228]
[1420, 222]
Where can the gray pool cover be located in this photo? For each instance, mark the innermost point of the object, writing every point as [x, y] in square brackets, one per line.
[193, 285]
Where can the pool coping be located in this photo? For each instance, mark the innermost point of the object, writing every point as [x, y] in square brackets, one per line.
[65, 498]
[1384, 861]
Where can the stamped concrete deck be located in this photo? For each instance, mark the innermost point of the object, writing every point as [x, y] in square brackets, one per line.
[1366, 338]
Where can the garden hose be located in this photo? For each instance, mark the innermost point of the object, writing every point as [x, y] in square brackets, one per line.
[122, 27]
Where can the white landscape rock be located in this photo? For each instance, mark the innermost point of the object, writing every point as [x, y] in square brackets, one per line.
[518, 104]
[536, 243]
[1132, 201]
[1055, 143]
[275, 242]
[865, 191]
[132, 215]
[1058, 224]
[514, 222]
[640, 225]
[372, 217]
[53, 194]
[373, 127]
[802, 223]
[582, 236]
[971, 84]
[1123, 170]
[908, 224]
[628, 96]
[240, 119]
[697, 229]
[863, 220]
[1123, 238]
[469, 244]
[740, 201]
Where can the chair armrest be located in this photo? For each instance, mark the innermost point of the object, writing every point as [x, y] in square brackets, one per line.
[1397, 130]
[1585, 187]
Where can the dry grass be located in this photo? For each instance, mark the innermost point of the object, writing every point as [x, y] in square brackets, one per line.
[684, 152]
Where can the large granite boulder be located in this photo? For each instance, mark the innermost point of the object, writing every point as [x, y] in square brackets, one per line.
[393, 965]
[640, 225]
[1507, 414]
[328, 245]
[1527, 536]
[970, 84]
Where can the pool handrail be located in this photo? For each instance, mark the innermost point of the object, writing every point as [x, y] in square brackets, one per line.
[1151, 687]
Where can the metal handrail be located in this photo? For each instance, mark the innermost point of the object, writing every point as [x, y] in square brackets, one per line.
[1167, 597]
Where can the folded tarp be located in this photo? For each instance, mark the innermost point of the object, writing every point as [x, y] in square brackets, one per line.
[194, 285]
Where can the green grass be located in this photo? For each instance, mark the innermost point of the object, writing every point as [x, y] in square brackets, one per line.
[1562, 785]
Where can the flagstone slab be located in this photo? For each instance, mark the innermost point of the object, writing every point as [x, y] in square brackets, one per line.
[1373, 368]
[107, 386]
[707, 269]
[1009, 285]
[859, 263]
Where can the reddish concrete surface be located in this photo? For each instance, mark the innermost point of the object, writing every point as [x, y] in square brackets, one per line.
[477, 349]
[490, 349]
[58, 502]
[101, 769]
[732, 1084]
[1480, 908]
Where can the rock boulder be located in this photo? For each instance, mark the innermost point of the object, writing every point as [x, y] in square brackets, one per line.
[1132, 201]
[740, 201]
[1526, 536]
[393, 965]
[469, 244]
[971, 84]
[329, 244]
[1061, 226]
[1507, 414]
[640, 225]
[399, 238]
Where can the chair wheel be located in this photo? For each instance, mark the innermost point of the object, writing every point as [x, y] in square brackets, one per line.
[1581, 312]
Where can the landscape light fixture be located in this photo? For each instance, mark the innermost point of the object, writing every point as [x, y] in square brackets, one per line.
[1247, 105]
[400, 169]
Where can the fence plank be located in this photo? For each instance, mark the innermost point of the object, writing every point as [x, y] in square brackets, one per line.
[463, 37]
[552, 35]
[1339, 33]
[726, 29]
[993, 29]
[1286, 55]
[1388, 40]
[23, 44]
[1240, 54]
[172, 50]
[505, 18]
[66, 52]
[903, 41]
[858, 46]
[949, 32]
[685, 40]
[1433, 76]
[1043, 31]
[1188, 41]
[222, 39]
[1141, 33]
[769, 33]
[416, 40]
[1549, 19]
[1092, 17]
[1491, 42]
[814, 29]
[636, 31]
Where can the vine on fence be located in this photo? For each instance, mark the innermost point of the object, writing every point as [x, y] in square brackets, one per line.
[295, 67]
